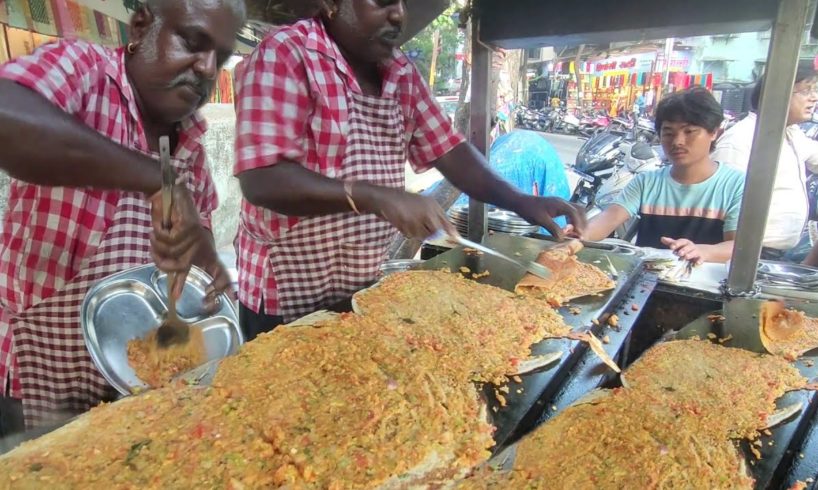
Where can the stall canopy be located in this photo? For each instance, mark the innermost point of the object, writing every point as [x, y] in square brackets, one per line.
[529, 23]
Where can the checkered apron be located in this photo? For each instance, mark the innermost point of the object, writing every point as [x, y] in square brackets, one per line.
[325, 259]
[56, 372]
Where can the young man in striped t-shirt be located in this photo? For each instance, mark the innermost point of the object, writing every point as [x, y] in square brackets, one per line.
[691, 207]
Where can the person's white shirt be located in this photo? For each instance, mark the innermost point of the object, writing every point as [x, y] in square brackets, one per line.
[789, 208]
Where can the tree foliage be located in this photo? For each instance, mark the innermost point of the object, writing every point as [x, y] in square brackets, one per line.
[450, 38]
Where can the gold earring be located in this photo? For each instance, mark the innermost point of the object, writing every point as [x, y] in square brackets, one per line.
[131, 48]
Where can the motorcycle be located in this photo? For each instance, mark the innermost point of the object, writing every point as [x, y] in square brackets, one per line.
[642, 128]
[595, 162]
[537, 120]
[555, 118]
[593, 124]
[570, 124]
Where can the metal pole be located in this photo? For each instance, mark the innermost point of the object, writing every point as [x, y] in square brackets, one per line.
[782, 60]
[479, 121]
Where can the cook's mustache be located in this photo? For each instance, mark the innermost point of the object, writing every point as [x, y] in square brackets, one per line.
[198, 84]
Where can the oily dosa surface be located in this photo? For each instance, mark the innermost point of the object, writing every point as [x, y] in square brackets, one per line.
[570, 277]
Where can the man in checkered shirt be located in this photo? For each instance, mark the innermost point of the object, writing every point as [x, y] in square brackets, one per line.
[79, 133]
[328, 112]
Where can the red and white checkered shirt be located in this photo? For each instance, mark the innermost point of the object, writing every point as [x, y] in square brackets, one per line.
[49, 231]
[293, 103]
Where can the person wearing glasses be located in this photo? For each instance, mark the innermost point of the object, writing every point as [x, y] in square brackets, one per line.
[785, 237]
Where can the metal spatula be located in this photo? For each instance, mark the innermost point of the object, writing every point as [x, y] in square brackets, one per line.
[173, 330]
[538, 270]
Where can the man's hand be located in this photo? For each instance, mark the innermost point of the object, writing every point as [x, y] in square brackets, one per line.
[571, 232]
[208, 259]
[414, 215]
[173, 249]
[542, 211]
[686, 250]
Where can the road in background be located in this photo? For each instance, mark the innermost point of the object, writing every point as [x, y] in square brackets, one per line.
[567, 146]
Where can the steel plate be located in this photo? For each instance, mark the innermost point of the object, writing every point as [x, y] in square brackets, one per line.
[130, 304]
[784, 270]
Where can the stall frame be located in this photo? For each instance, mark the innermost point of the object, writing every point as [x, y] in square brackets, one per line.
[527, 24]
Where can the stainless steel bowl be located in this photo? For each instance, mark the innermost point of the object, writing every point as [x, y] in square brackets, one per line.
[130, 304]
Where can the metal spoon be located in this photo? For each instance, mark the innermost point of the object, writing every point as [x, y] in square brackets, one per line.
[173, 330]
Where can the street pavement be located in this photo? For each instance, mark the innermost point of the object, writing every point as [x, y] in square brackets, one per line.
[567, 146]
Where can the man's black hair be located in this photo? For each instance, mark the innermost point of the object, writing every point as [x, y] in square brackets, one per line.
[805, 71]
[695, 106]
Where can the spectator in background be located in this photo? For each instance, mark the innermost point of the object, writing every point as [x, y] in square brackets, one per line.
[529, 162]
[691, 207]
[639, 105]
[785, 237]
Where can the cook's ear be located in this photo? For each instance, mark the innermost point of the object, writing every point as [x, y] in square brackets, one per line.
[329, 8]
[141, 21]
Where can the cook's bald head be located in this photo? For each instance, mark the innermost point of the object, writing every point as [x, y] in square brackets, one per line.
[159, 7]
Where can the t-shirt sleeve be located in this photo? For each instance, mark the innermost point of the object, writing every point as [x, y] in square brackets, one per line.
[735, 196]
[272, 107]
[63, 72]
[631, 196]
[433, 135]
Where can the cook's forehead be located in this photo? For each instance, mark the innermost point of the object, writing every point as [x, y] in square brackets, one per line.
[192, 9]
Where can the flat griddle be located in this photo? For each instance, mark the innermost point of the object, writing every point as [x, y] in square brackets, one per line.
[783, 449]
[524, 409]
[790, 454]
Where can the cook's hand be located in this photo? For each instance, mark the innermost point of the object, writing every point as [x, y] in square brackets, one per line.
[208, 259]
[571, 232]
[542, 211]
[685, 249]
[413, 215]
[174, 249]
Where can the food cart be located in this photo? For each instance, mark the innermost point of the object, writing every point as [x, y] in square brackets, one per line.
[644, 307]
[529, 23]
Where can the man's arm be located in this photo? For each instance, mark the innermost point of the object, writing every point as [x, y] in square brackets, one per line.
[812, 258]
[45, 146]
[808, 150]
[602, 225]
[468, 170]
[302, 192]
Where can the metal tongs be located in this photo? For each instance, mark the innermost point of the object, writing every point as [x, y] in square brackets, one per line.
[538, 270]
[172, 330]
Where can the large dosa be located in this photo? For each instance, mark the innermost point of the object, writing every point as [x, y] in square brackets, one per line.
[787, 333]
[570, 278]
[672, 427]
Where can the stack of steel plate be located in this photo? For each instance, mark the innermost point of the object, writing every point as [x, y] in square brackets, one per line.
[498, 220]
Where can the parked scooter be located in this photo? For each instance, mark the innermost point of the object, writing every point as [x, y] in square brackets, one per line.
[632, 159]
[570, 124]
[642, 128]
[532, 119]
[592, 124]
[595, 162]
